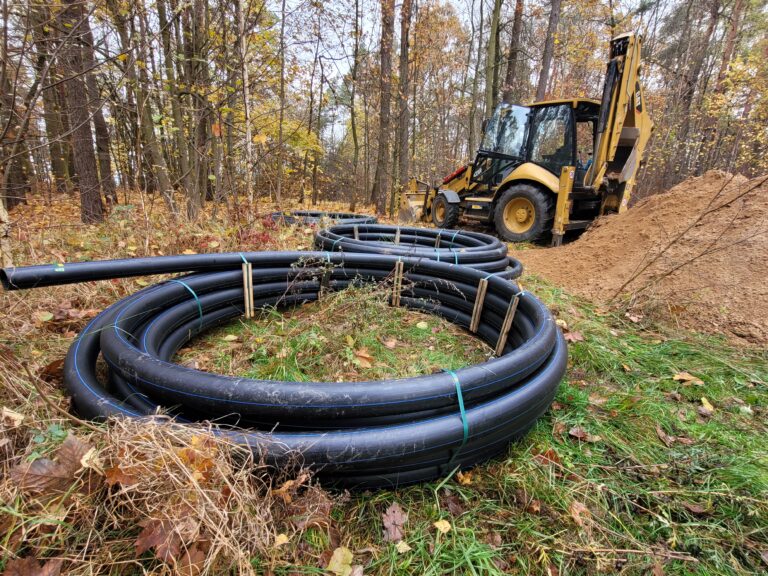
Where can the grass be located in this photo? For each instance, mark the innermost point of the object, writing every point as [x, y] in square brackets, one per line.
[350, 335]
[629, 472]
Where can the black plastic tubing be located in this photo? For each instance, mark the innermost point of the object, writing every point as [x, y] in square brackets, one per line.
[474, 249]
[316, 217]
[354, 434]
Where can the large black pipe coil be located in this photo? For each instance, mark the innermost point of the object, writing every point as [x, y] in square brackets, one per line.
[317, 217]
[474, 249]
[356, 434]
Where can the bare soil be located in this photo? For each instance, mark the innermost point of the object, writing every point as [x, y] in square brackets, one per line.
[696, 254]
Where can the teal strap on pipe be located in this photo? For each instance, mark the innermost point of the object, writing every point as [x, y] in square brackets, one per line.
[243, 257]
[462, 412]
[454, 236]
[199, 306]
[438, 254]
[333, 246]
[455, 255]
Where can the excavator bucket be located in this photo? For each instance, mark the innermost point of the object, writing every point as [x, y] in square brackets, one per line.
[412, 200]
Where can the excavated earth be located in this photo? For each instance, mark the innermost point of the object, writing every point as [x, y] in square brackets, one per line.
[696, 255]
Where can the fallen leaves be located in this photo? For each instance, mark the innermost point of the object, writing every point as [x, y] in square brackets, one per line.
[687, 379]
[574, 336]
[580, 513]
[580, 434]
[47, 477]
[394, 519]
[694, 508]
[464, 478]
[669, 440]
[116, 475]
[706, 409]
[30, 566]
[402, 547]
[363, 358]
[442, 526]
[340, 563]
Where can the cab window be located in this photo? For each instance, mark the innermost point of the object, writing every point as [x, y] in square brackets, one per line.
[552, 137]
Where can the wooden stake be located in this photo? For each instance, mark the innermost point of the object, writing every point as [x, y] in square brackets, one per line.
[246, 300]
[505, 327]
[398, 283]
[397, 235]
[482, 287]
[356, 232]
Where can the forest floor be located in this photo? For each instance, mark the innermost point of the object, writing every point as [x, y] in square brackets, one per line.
[652, 459]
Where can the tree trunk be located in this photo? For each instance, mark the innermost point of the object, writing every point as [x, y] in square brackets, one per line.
[404, 117]
[381, 185]
[100, 125]
[279, 187]
[475, 83]
[91, 208]
[509, 92]
[352, 111]
[491, 64]
[146, 130]
[549, 50]
[248, 136]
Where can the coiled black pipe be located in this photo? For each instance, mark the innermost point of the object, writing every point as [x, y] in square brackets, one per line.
[356, 434]
[316, 217]
[474, 249]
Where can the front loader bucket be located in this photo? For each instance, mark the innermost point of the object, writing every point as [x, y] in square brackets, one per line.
[412, 200]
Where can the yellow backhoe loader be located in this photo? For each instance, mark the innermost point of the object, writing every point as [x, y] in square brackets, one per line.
[549, 167]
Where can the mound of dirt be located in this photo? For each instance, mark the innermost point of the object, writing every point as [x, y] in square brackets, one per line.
[697, 254]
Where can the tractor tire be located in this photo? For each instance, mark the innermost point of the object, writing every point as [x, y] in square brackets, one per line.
[524, 213]
[444, 214]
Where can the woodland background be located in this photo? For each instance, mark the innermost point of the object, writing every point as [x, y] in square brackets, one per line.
[252, 100]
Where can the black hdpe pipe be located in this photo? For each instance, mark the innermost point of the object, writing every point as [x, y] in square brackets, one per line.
[316, 217]
[355, 434]
[474, 249]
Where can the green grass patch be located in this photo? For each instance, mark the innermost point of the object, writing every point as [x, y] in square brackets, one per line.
[351, 335]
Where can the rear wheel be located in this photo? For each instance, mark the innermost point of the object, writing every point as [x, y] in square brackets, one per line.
[524, 213]
[444, 214]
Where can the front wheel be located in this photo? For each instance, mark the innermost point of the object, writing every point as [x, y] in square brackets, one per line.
[444, 214]
[524, 213]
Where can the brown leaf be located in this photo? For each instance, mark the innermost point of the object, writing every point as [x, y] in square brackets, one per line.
[664, 437]
[364, 359]
[452, 502]
[658, 569]
[53, 372]
[580, 513]
[574, 336]
[464, 478]
[549, 456]
[390, 343]
[116, 475]
[552, 570]
[534, 507]
[160, 535]
[558, 428]
[192, 561]
[580, 434]
[289, 488]
[764, 556]
[29, 566]
[45, 476]
[694, 508]
[687, 378]
[394, 518]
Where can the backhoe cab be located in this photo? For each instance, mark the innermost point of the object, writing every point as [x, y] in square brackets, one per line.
[549, 167]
